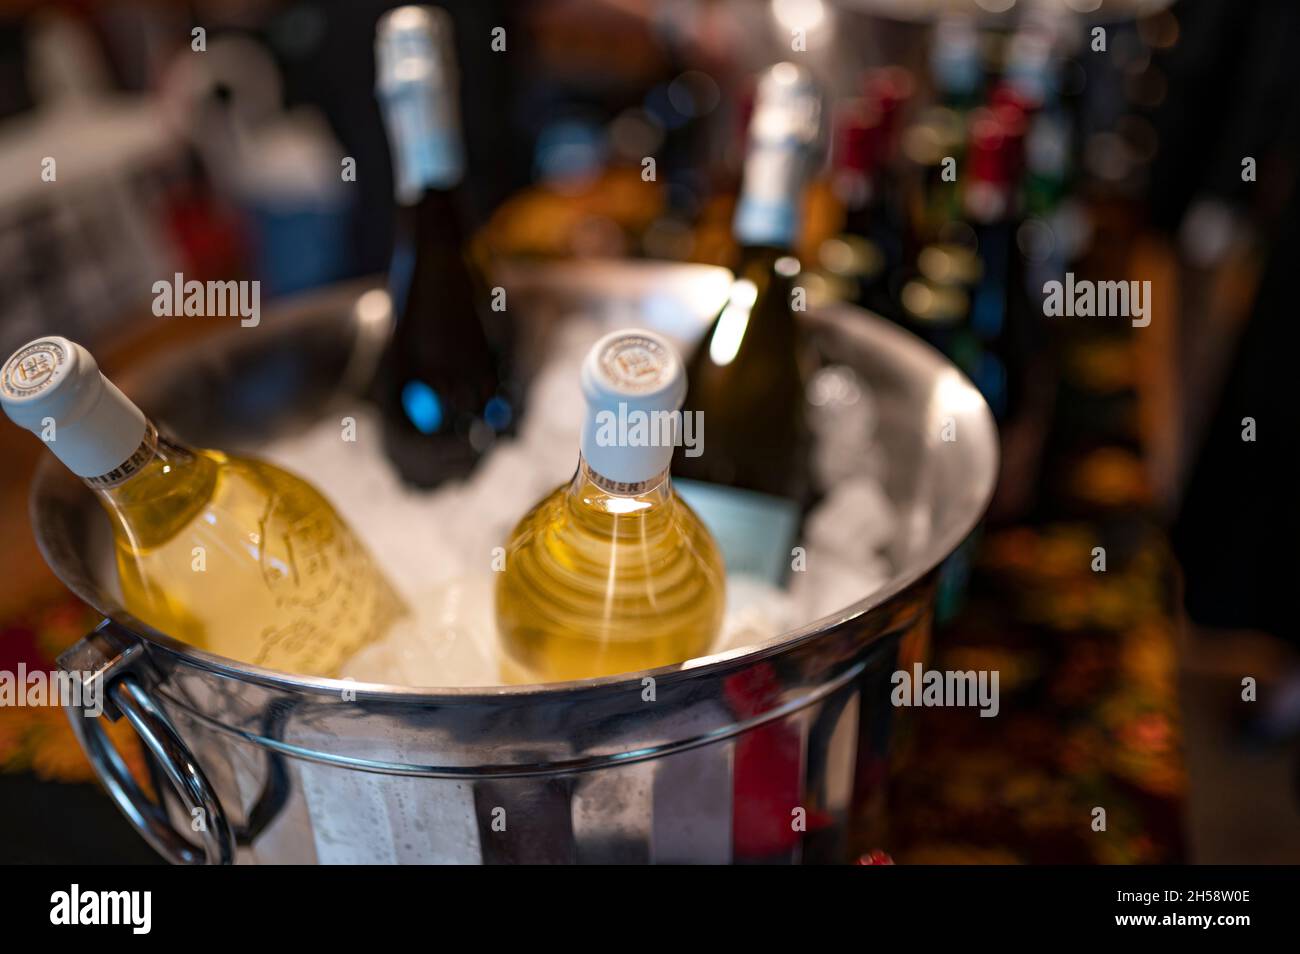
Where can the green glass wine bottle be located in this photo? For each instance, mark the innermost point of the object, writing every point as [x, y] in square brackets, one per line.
[746, 380]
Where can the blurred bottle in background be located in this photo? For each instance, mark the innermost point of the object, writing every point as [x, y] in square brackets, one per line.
[853, 264]
[929, 290]
[956, 62]
[859, 261]
[988, 195]
[745, 377]
[440, 385]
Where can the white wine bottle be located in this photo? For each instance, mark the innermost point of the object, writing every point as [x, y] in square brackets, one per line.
[612, 572]
[232, 555]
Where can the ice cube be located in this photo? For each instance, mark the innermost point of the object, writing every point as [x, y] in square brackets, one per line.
[842, 416]
[449, 640]
[854, 521]
[756, 612]
[828, 583]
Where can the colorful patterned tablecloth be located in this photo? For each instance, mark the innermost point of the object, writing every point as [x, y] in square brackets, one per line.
[1087, 656]
[1088, 713]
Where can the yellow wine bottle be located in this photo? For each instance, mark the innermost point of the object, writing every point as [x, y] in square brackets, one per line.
[233, 555]
[612, 572]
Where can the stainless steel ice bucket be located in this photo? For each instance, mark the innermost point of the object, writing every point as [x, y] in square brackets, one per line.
[775, 753]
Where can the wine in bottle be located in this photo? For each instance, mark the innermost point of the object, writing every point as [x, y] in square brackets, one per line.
[745, 377]
[440, 385]
[612, 572]
[232, 555]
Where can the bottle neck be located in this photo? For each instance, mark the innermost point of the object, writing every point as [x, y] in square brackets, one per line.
[424, 139]
[129, 468]
[432, 220]
[768, 212]
[160, 490]
[600, 493]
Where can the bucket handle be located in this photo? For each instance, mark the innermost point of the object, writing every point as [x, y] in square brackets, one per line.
[108, 656]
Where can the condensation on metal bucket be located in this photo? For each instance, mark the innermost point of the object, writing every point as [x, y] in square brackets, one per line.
[768, 753]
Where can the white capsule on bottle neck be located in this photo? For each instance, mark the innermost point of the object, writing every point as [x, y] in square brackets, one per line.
[53, 387]
[634, 384]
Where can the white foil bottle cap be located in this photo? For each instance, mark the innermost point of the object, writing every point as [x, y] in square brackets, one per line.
[634, 384]
[413, 44]
[54, 381]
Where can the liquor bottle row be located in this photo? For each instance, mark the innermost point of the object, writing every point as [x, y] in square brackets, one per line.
[953, 207]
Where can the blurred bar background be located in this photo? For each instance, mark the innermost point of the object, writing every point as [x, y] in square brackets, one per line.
[1167, 155]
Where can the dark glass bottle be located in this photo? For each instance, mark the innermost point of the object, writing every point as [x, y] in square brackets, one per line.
[870, 247]
[857, 258]
[745, 378]
[887, 94]
[746, 383]
[929, 291]
[440, 386]
[999, 304]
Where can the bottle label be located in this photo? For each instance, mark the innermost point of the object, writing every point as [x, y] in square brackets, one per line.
[754, 531]
[424, 136]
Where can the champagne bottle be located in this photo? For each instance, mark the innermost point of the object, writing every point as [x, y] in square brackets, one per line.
[232, 555]
[613, 572]
[439, 386]
[746, 380]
